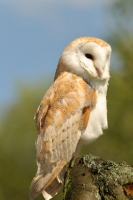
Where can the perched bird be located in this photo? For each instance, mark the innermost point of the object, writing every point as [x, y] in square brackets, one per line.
[72, 112]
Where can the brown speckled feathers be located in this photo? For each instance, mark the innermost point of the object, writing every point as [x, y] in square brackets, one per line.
[61, 118]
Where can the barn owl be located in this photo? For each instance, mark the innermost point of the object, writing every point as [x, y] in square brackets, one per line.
[72, 112]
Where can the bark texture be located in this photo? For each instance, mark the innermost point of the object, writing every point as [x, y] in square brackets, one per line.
[92, 178]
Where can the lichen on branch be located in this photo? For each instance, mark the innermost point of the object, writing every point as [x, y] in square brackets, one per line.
[92, 178]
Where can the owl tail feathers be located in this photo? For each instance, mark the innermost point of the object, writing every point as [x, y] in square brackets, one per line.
[47, 184]
[52, 190]
[37, 186]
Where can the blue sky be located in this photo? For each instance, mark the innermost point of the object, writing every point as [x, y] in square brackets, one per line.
[33, 34]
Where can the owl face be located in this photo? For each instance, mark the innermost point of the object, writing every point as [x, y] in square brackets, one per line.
[87, 57]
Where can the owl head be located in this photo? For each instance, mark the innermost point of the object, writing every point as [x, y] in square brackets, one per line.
[87, 57]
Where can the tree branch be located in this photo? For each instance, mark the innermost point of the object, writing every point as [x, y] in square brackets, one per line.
[92, 178]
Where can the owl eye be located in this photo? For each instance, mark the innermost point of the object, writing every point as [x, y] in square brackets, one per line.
[89, 56]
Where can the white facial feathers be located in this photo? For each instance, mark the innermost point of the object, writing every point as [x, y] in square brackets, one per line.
[87, 57]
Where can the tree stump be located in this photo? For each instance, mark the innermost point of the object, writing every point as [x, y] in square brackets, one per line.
[92, 178]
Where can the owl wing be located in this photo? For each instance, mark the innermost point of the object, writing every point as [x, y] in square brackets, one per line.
[61, 118]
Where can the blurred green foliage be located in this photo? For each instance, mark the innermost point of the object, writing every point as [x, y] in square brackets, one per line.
[117, 142]
[18, 130]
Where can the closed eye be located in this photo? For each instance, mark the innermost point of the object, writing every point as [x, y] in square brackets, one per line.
[89, 56]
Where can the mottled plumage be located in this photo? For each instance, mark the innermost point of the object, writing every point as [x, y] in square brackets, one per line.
[72, 111]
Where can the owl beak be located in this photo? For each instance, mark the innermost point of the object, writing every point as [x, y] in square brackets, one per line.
[99, 73]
